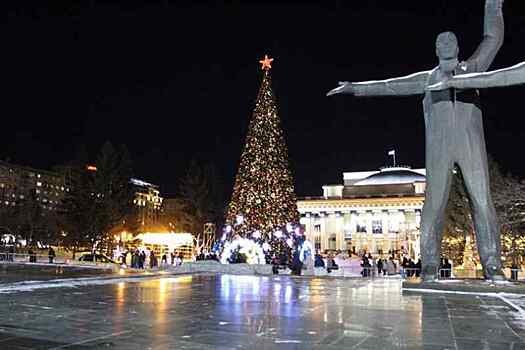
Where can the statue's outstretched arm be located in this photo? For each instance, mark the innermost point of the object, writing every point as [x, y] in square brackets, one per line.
[514, 75]
[493, 35]
[413, 84]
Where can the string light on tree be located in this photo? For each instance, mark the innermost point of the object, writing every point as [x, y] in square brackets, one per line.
[263, 193]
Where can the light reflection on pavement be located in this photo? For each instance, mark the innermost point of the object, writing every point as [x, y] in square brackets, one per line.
[253, 312]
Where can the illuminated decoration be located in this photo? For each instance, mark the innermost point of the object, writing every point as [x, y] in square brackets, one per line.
[256, 235]
[239, 219]
[266, 63]
[289, 241]
[91, 168]
[251, 251]
[306, 251]
[172, 240]
[263, 193]
[278, 234]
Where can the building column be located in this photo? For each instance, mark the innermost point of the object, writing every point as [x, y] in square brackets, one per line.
[339, 229]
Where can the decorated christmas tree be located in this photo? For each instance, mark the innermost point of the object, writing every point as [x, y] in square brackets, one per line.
[263, 204]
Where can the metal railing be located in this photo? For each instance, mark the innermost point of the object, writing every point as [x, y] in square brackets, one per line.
[25, 258]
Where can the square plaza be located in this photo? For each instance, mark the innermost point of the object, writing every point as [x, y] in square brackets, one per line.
[209, 311]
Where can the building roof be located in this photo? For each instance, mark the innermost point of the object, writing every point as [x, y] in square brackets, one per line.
[392, 176]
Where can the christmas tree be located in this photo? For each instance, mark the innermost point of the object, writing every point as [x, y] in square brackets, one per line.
[263, 202]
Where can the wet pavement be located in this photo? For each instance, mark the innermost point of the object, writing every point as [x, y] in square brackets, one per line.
[23, 273]
[249, 312]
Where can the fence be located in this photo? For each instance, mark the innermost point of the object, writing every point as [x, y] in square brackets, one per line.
[22, 258]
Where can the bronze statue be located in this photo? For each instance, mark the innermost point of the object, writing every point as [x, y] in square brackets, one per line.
[454, 136]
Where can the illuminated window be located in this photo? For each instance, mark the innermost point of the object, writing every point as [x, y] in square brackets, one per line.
[38, 183]
[377, 226]
[317, 228]
[360, 226]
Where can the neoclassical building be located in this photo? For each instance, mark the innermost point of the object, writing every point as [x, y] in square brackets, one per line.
[372, 211]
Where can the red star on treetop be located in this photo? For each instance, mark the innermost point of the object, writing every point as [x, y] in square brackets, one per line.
[266, 63]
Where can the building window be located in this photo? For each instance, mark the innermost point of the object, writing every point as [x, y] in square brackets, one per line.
[393, 226]
[377, 226]
[317, 243]
[317, 228]
[332, 242]
[360, 226]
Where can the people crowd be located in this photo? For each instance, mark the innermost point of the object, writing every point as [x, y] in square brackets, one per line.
[139, 257]
[371, 265]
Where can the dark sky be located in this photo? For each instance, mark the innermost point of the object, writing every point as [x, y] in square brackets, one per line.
[178, 80]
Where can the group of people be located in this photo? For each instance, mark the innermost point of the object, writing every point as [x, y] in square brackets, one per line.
[410, 268]
[139, 257]
[203, 256]
[7, 253]
[330, 265]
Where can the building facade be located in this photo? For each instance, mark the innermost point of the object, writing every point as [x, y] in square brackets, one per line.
[372, 211]
[19, 183]
[148, 201]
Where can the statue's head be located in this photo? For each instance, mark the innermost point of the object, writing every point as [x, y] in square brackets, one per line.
[447, 50]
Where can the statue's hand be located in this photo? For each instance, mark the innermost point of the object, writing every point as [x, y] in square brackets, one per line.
[443, 85]
[344, 87]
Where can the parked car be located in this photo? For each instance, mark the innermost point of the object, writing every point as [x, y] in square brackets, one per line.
[96, 258]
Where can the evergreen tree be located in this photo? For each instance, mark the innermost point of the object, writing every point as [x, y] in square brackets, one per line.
[98, 201]
[263, 194]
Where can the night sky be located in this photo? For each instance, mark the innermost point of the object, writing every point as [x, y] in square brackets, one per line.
[178, 80]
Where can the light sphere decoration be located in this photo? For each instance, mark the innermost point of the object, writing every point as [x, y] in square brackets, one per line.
[239, 219]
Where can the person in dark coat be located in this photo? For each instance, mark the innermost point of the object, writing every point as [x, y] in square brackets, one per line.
[418, 267]
[152, 259]
[318, 262]
[366, 266]
[51, 254]
[379, 266]
[32, 255]
[142, 259]
[297, 265]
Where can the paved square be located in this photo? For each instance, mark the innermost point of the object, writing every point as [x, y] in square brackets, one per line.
[249, 312]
